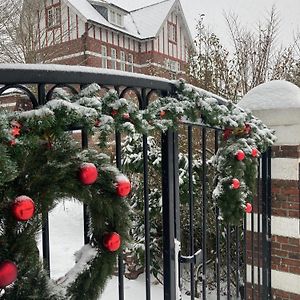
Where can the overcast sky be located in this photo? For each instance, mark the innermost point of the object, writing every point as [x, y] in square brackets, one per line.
[249, 11]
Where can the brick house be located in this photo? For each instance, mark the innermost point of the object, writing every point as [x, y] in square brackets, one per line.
[153, 39]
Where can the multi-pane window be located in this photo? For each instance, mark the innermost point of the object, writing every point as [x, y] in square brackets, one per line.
[122, 59]
[172, 32]
[53, 16]
[104, 56]
[130, 63]
[113, 58]
[116, 18]
[112, 17]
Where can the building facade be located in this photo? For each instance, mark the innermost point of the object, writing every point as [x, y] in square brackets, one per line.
[152, 40]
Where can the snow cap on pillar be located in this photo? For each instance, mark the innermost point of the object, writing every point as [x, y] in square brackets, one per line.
[277, 104]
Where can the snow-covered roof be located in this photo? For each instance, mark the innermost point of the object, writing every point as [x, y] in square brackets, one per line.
[150, 18]
[275, 94]
[142, 23]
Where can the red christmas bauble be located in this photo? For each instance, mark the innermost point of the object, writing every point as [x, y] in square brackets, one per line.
[23, 208]
[114, 112]
[247, 129]
[123, 187]
[240, 155]
[88, 173]
[162, 113]
[235, 183]
[8, 273]
[254, 152]
[126, 116]
[112, 241]
[227, 133]
[248, 208]
[97, 123]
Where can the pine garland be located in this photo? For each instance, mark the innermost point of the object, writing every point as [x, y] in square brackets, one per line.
[41, 160]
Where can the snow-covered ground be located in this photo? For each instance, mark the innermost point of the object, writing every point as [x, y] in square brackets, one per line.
[66, 234]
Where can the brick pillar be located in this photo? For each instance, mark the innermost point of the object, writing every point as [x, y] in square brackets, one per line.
[277, 104]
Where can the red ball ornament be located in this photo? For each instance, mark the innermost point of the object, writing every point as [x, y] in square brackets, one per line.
[8, 273]
[248, 208]
[254, 152]
[247, 129]
[162, 113]
[23, 208]
[227, 133]
[123, 186]
[235, 183]
[114, 112]
[112, 241]
[126, 116]
[88, 173]
[16, 128]
[240, 155]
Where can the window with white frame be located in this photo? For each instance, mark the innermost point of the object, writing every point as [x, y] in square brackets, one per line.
[172, 32]
[116, 18]
[130, 63]
[104, 56]
[172, 65]
[122, 59]
[53, 16]
[113, 58]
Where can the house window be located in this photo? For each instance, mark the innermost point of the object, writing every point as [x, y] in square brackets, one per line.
[122, 63]
[172, 65]
[116, 18]
[53, 16]
[130, 63]
[104, 56]
[119, 20]
[112, 17]
[113, 58]
[172, 32]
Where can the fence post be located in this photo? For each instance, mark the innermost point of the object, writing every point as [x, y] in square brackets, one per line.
[171, 228]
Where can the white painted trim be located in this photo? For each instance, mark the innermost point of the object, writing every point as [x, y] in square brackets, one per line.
[285, 168]
[284, 281]
[287, 227]
[117, 60]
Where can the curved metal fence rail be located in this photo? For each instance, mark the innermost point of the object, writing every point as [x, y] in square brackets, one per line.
[241, 269]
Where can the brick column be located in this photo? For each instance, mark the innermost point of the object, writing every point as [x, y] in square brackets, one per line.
[277, 104]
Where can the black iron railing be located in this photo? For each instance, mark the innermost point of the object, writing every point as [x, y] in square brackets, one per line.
[228, 252]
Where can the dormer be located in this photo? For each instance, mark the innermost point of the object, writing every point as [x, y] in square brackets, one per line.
[112, 13]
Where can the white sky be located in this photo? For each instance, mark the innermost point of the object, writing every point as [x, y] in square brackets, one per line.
[249, 11]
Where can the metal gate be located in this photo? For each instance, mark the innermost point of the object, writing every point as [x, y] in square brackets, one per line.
[218, 261]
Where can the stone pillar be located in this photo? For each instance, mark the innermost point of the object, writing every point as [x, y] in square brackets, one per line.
[277, 104]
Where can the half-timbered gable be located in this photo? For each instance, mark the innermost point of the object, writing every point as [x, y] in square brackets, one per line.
[151, 39]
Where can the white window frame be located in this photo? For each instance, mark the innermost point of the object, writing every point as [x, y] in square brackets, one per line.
[122, 61]
[53, 16]
[130, 62]
[112, 16]
[104, 57]
[172, 32]
[113, 58]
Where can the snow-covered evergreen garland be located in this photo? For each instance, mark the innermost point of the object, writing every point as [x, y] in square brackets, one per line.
[40, 159]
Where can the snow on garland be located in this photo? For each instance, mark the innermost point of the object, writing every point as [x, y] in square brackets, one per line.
[40, 159]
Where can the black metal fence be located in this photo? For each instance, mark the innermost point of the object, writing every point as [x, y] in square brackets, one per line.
[214, 260]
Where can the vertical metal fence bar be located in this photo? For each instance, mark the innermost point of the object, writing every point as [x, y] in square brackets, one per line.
[85, 145]
[146, 218]
[264, 228]
[218, 234]
[258, 230]
[245, 241]
[120, 257]
[269, 214]
[45, 227]
[228, 260]
[146, 204]
[191, 209]
[237, 290]
[252, 255]
[168, 196]
[204, 214]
